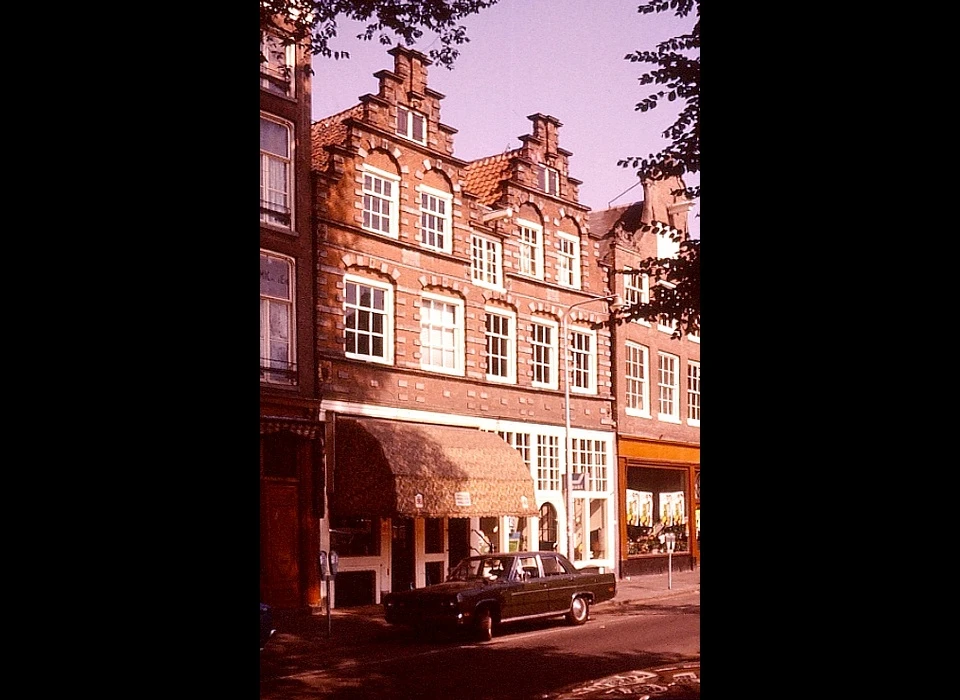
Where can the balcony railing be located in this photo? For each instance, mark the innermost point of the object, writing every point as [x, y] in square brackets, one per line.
[278, 372]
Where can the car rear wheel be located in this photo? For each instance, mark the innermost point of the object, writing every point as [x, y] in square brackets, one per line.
[579, 611]
[485, 625]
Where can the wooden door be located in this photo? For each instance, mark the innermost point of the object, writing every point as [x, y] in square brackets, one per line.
[279, 546]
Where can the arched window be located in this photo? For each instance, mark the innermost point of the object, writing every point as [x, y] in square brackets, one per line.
[548, 527]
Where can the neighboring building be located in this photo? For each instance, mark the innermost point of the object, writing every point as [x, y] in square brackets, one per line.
[657, 382]
[291, 436]
[442, 290]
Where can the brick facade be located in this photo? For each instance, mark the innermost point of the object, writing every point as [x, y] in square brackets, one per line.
[490, 198]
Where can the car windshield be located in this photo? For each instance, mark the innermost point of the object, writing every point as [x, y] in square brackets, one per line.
[485, 568]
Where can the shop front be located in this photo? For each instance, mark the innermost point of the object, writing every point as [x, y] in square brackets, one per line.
[659, 496]
[407, 500]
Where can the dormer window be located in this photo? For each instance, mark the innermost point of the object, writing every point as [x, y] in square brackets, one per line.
[548, 180]
[411, 125]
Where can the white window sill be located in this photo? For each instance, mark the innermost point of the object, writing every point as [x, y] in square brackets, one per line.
[380, 233]
[489, 285]
[443, 370]
[370, 358]
[541, 385]
[501, 380]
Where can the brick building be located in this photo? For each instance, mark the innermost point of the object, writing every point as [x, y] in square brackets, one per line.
[657, 391]
[443, 289]
[291, 434]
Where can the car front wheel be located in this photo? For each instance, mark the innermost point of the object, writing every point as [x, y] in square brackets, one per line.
[579, 611]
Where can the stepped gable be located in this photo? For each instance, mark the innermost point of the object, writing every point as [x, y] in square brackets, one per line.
[330, 130]
[483, 177]
[614, 224]
[623, 219]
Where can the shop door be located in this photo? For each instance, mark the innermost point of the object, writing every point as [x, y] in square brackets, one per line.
[402, 551]
[279, 546]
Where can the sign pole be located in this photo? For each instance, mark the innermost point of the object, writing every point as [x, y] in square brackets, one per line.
[328, 605]
[671, 542]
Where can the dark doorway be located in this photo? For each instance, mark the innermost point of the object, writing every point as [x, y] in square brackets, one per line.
[458, 532]
[548, 527]
[355, 588]
[402, 554]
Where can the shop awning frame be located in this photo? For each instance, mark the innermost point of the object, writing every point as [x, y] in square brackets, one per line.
[387, 468]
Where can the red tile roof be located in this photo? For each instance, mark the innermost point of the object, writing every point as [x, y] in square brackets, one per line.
[330, 130]
[485, 175]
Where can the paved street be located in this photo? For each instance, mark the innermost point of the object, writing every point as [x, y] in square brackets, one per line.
[304, 659]
[679, 682]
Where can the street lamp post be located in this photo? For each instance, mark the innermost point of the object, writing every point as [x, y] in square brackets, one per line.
[568, 481]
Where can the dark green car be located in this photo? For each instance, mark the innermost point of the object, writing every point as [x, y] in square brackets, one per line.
[485, 590]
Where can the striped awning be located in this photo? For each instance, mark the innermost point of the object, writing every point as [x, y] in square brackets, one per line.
[392, 468]
[298, 426]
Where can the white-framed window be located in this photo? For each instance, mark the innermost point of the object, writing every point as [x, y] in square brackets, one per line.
[276, 172]
[435, 219]
[583, 361]
[636, 290]
[441, 334]
[411, 125]
[501, 339]
[568, 260]
[276, 73]
[531, 249]
[637, 385]
[368, 319]
[665, 324]
[666, 246]
[381, 197]
[520, 442]
[486, 267]
[693, 392]
[548, 462]
[277, 340]
[668, 386]
[548, 180]
[589, 457]
[543, 344]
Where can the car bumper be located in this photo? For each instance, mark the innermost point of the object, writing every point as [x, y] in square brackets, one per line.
[442, 621]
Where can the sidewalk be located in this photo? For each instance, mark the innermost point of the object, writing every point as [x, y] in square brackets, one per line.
[306, 643]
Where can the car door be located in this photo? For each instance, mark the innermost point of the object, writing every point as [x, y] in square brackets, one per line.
[535, 585]
[558, 584]
[520, 591]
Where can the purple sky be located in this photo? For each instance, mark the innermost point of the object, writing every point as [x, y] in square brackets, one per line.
[564, 58]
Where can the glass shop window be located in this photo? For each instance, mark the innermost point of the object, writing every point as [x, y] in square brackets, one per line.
[490, 533]
[355, 537]
[657, 504]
